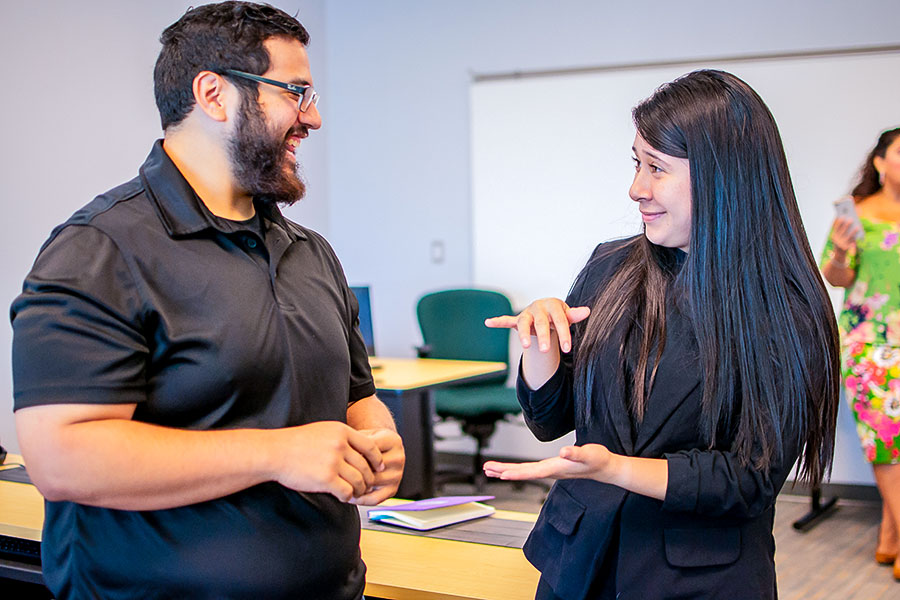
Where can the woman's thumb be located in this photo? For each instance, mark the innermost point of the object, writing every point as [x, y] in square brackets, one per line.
[577, 313]
[572, 453]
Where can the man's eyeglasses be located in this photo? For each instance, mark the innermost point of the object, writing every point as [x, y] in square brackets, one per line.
[307, 95]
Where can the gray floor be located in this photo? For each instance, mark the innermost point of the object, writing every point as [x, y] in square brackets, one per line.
[833, 560]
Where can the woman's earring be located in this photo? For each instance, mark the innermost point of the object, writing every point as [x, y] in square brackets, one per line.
[881, 178]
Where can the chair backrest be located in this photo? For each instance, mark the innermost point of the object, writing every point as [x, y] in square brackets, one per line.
[452, 324]
[365, 316]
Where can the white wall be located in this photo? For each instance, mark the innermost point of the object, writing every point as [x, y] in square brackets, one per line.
[78, 117]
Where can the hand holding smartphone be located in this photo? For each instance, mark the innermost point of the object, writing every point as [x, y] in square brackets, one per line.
[846, 207]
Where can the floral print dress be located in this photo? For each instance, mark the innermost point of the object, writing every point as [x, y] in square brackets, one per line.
[870, 340]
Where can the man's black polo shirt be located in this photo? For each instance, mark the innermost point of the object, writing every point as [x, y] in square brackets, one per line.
[145, 297]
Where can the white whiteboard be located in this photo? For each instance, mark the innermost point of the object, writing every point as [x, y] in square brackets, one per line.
[551, 155]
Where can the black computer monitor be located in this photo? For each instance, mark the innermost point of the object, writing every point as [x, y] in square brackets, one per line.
[365, 316]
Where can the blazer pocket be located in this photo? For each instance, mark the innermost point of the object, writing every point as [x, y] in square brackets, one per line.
[564, 512]
[568, 544]
[702, 547]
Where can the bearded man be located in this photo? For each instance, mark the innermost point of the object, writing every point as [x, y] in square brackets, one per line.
[192, 392]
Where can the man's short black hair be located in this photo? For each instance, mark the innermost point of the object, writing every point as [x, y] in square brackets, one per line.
[215, 37]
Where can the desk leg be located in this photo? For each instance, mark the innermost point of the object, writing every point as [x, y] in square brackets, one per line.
[412, 413]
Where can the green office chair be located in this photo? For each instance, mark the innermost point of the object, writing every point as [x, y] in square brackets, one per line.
[452, 324]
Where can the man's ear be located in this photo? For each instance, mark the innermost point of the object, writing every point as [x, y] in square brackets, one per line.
[210, 95]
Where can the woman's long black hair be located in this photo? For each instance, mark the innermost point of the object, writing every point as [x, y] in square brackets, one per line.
[764, 323]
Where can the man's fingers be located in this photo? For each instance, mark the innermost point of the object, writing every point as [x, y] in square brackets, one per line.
[359, 464]
[385, 439]
[373, 497]
[340, 488]
[393, 453]
[354, 477]
[368, 448]
[393, 459]
[360, 461]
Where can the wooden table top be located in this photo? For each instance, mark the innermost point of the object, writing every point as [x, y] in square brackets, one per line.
[407, 374]
[21, 507]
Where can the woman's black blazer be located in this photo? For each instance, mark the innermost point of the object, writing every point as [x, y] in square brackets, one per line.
[712, 535]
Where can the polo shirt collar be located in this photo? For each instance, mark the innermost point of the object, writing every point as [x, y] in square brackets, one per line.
[272, 214]
[180, 208]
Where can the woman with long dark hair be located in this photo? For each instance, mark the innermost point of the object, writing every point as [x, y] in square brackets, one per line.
[696, 363]
[869, 268]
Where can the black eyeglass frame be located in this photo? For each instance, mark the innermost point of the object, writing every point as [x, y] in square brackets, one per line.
[307, 94]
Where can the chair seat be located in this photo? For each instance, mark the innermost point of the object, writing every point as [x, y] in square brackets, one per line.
[476, 401]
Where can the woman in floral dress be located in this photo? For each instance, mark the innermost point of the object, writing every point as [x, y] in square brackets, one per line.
[869, 269]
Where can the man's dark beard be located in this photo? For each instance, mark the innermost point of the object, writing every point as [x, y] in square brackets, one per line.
[258, 160]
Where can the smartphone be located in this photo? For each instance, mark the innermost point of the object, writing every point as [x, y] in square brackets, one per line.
[846, 207]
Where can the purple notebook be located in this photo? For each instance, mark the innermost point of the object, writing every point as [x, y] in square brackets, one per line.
[439, 502]
[433, 512]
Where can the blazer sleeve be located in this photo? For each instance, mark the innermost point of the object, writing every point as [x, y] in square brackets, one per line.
[715, 483]
[549, 411]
